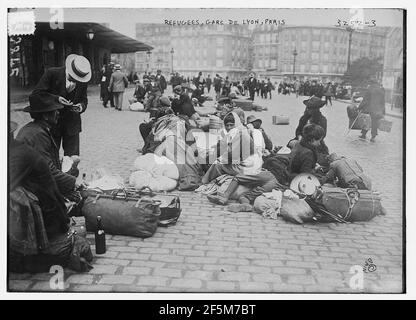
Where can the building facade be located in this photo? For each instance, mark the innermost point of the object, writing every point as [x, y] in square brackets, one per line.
[222, 49]
[321, 52]
[393, 68]
[158, 36]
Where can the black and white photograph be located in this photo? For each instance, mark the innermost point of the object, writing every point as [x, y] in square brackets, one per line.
[205, 150]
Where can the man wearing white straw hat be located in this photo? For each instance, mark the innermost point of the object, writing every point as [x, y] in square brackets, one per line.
[70, 84]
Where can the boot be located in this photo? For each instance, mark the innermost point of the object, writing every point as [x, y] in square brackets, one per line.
[222, 199]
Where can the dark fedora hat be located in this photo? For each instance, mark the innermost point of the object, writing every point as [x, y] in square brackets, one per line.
[314, 103]
[43, 102]
[252, 118]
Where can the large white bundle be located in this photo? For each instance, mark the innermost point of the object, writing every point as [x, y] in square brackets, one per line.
[165, 167]
[145, 162]
[160, 183]
[140, 179]
[137, 106]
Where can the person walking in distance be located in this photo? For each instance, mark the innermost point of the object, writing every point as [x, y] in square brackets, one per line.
[70, 84]
[118, 83]
[373, 104]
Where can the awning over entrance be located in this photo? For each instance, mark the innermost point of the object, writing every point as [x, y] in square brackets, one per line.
[103, 37]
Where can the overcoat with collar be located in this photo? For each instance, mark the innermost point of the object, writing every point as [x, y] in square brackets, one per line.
[54, 81]
[37, 135]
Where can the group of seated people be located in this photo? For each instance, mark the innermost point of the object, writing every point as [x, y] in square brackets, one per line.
[245, 151]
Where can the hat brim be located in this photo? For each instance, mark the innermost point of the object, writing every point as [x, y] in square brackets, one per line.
[303, 177]
[48, 109]
[254, 120]
[314, 105]
[68, 67]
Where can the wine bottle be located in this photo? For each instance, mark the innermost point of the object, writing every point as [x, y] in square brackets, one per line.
[100, 247]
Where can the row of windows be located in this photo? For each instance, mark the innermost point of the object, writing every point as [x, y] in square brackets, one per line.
[314, 68]
[241, 63]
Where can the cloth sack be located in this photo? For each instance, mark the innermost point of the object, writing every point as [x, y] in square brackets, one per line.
[296, 210]
[269, 204]
[136, 106]
[161, 183]
[140, 179]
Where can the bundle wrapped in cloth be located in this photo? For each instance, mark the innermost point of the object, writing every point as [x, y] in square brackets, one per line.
[155, 172]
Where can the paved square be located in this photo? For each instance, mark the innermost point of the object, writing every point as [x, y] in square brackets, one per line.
[213, 250]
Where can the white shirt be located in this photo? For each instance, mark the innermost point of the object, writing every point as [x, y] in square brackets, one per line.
[70, 86]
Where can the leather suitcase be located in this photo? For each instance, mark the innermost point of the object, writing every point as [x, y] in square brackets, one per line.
[280, 120]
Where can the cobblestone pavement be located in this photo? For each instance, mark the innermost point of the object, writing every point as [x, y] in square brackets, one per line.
[212, 250]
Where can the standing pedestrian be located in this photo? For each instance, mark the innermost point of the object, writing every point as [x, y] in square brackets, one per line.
[160, 79]
[328, 93]
[208, 83]
[263, 90]
[252, 86]
[103, 86]
[270, 87]
[70, 83]
[118, 83]
[297, 87]
[217, 86]
[374, 104]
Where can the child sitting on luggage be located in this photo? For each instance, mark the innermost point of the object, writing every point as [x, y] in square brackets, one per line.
[347, 173]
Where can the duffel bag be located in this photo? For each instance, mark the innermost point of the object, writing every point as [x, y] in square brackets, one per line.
[350, 204]
[129, 216]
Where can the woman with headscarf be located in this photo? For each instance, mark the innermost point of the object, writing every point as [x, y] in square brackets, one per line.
[239, 158]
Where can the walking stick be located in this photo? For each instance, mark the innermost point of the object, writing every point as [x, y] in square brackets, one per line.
[349, 128]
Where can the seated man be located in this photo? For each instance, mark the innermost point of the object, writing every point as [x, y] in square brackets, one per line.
[44, 110]
[304, 154]
[38, 224]
[139, 92]
[182, 104]
[161, 110]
